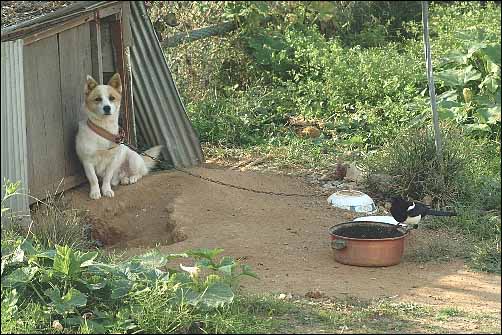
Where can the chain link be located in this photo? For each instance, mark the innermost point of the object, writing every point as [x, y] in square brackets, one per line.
[220, 182]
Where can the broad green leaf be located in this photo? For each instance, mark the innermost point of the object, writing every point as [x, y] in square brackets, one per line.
[494, 69]
[450, 95]
[50, 254]
[446, 104]
[455, 56]
[474, 35]
[95, 327]
[216, 295]
[205, 253]
[152, 259]
[20, 276]
[66, 261]
[102, 268]
[205, 263]
[120, 288]
[492, 52]
[490, 83]
[246, 270]
[482, 127]
[75, 298]
[96, 283]
[67, 303]
[446, 113]
[180, 278]
[87, 258]
[483, 100]
[28, 248]
[471, 74]
[489, 114]
[474, 48]
[451, 77]
[227, 264]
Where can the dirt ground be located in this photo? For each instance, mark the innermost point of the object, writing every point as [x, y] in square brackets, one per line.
[284, 239]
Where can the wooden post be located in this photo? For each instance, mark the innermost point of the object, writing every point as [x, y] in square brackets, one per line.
[432, 90]
[96, 52]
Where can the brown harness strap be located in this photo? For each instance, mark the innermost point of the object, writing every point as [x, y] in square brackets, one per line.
[119, 138]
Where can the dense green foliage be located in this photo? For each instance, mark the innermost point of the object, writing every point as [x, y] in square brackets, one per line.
[358, 68]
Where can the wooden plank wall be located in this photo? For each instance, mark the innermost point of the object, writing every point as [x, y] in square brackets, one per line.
[75, 64]
[44, 117]
[55, 71]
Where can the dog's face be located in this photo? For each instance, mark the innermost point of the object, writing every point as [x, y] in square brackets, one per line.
[103, 100]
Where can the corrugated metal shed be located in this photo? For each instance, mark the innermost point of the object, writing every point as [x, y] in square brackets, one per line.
[13, 129]
[159, 111]
[65, 46]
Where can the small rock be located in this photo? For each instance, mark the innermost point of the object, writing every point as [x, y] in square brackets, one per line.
[310, 131]
[427, 200]
[314, 294]
[57, 325]
[281, 296]
[354, 173]
[179, 235]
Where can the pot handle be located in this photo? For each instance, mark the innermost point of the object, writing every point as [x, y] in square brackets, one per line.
[338, 244]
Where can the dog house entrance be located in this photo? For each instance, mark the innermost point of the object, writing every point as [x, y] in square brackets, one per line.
[109, 56]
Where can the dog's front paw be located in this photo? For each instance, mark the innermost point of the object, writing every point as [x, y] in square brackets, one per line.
[108, 193]
[95, 194]
[124, 181]
[134, 179]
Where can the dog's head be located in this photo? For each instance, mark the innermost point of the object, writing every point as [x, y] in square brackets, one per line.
[103, 100]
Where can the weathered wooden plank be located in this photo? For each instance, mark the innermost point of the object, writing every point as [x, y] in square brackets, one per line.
[57, 29]
[126, 24]
[75, 63]
[110, 10]
[43, 114]
[107, 48]
[96, 51]
[120, 66]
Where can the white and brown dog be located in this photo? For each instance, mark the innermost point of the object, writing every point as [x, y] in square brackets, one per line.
[100, 155]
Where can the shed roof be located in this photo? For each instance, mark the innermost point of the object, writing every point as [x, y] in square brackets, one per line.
[20, 11]
[46, 21]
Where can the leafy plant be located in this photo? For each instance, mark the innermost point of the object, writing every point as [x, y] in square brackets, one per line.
[72, 285]
[471, 77]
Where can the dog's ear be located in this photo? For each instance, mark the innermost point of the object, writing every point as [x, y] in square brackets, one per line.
[90, 84]
[115, 82]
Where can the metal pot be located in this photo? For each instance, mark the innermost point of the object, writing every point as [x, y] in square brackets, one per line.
[379, 251]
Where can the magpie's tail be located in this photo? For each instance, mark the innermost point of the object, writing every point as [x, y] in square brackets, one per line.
[440, 213]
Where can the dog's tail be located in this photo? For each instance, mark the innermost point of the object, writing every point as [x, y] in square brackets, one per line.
[149, 156]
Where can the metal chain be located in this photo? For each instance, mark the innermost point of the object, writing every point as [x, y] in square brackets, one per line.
[220, 182]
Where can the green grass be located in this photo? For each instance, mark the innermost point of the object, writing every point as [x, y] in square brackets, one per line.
[266, 314]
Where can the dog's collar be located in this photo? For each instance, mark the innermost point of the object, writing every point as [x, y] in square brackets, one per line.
[119, 138]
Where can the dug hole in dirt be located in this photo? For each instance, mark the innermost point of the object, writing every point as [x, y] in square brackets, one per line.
[284, 239]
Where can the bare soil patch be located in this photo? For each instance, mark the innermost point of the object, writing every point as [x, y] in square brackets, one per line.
[284, 239]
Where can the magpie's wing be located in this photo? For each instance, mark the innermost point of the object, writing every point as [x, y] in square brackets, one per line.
[419, 209]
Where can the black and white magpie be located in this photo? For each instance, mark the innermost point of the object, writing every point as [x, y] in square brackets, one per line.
[411, 212]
